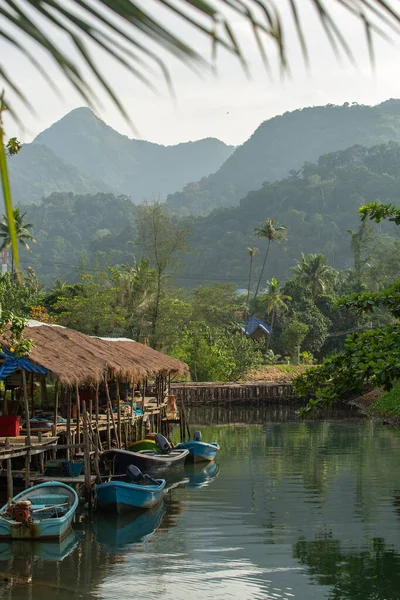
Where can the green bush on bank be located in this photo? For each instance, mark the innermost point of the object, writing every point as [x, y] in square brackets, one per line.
[389, 404]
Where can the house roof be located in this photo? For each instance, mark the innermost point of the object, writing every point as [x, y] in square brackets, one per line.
[252, 324]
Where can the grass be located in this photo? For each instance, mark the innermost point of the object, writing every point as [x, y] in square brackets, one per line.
[388, 404]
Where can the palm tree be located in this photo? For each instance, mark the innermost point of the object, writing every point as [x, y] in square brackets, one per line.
[313, 272]
[21, 230]
[252, 252]
[273, 232]
[135, 36]
[276, 302]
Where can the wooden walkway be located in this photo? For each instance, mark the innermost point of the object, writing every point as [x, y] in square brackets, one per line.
[197, 394]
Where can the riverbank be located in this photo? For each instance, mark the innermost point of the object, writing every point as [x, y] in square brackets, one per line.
[276, 374]
[381, 406]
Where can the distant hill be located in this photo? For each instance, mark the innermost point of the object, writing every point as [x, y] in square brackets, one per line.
[37, 172]
[136, 168]
[317, 204]
[284, 143]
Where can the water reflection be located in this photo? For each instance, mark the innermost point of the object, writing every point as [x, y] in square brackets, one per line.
[370, 574]
[297, 509]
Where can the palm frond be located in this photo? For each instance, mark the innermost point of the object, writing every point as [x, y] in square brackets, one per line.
[128, 31]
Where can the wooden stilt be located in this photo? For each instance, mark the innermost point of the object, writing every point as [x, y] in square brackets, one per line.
[69, 393]
[78, 415]
[10, 485]
[41, 455]
[27, 463]
[118, 411]
[56, 407]
[86, 456]
[112, 414]
[26, 406]
[32, 394]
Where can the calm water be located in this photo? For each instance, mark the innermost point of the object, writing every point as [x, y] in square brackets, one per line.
[292, 510]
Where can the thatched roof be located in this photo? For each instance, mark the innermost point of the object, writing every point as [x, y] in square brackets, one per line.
[75, 358]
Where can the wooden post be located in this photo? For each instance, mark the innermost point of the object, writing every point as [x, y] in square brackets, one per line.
[86, 456]
[69, 392]
[111, 413]
[26, 405]
[56, 407]
[32, 393]
[108, 428]
[78, 415]
[10, 485]
[27, 463]
[118, 411]
[41, 455]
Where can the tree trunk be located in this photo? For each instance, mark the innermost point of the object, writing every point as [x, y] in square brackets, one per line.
[248, 289]
[271, 328]
[156, 312]
[260, 278]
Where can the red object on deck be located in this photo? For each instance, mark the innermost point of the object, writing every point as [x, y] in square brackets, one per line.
[9, 426]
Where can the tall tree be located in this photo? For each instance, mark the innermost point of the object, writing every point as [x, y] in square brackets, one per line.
[162, 240]
[276, 302]
[21, 230]
[252, 252]
[313, 272]
[360, 242]
[273, 232]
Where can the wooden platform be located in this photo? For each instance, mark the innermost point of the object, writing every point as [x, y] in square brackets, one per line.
[62, 479]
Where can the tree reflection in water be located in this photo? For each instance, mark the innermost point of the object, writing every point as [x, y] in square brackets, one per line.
[369, 574]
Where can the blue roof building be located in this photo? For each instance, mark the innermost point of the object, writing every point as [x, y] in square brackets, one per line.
[255, 328]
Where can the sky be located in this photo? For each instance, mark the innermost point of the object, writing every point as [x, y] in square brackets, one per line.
[228, 106]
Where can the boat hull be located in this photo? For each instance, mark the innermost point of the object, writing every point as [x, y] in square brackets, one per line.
[39, 527]
[142, 445]
[200, 451]
[148, 461]
[120, 496]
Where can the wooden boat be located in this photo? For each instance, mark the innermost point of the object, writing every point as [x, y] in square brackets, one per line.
[117, 532]
[43, 512]
[141, 492]
[142, 445]
[153, 462]
[200, 451]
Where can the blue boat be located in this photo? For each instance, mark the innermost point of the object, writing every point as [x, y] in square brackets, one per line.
[42, 512]
[48, 551]
[141, 492]
[199, 451]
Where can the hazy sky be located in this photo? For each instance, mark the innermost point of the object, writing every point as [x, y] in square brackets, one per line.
[228, 106]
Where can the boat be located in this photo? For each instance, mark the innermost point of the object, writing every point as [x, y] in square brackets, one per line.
[42, 512]
[116, 533]
[142, 491]
[199, 451]
[142, 445]
[154, 462]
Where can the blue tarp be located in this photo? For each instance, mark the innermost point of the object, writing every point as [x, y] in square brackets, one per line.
[252, 324]
[13, 363]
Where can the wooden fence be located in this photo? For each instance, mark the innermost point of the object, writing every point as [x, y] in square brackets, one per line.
[196, 394]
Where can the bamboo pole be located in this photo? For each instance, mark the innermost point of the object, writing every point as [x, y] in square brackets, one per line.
[56, 407]
[69, 392]
[111, 413]
[78, 414]
[26, 406]
[118, 410]
[10, 485]
[27, 463]
[86, 456]
[32, 393]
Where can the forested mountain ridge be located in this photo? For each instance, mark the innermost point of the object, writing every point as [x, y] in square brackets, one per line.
[137, 168]
[284, 143]
[36, 172]
[317, 204]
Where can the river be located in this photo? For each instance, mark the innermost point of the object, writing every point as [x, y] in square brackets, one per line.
[292, 510]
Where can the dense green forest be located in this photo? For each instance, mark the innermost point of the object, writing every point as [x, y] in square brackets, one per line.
[317, 205]
[284, 143]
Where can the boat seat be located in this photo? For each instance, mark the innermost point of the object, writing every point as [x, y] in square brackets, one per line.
[49, 500]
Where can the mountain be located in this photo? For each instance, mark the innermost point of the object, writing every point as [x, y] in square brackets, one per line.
[317, 204]
[136, 168]
[284, 143]
[37, 172]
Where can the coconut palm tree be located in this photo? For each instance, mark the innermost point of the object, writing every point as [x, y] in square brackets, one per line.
[252, 252]
[276, 302]
[273, 232]
[21, 230]
[314, 273]
[135, 35]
